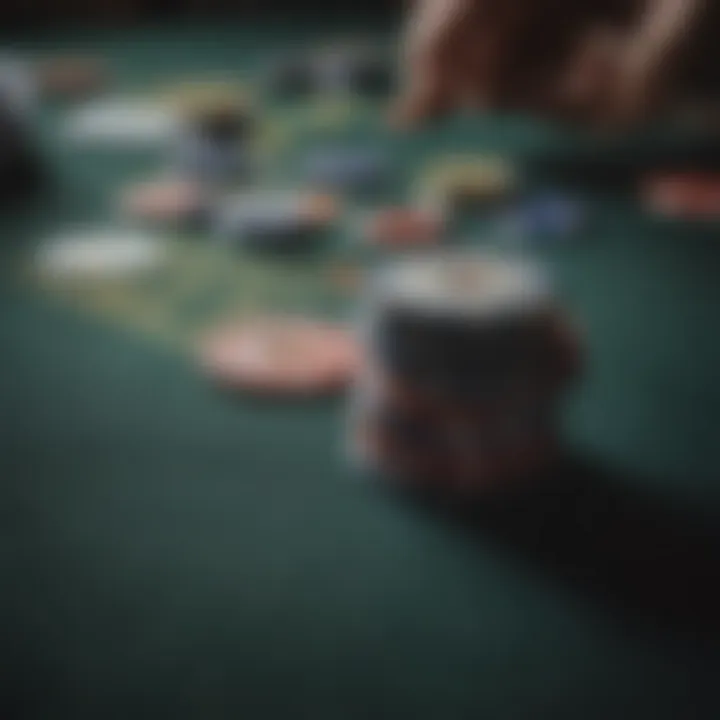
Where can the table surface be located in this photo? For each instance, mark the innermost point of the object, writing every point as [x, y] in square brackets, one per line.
[169, 550]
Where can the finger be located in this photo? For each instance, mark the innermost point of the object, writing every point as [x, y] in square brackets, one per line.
[435, 36]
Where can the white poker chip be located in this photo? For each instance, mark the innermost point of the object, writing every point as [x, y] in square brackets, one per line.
[273, 214]
[244, 212]
[124, 122]
[100, 254]
[468, 283]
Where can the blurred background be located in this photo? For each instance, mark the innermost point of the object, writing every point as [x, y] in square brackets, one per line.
[17, 14]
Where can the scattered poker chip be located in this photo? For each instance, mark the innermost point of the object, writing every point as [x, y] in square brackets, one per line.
[545, 216]
[347, 169]
[205, 100]
[169, 201]
[687, 196]
[455, 186]
[275, 221]
[280, 356]
[71, 77]
[100, 254]
[403, 227]
[123, 122]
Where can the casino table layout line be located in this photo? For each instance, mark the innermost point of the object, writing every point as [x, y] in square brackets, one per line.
[199, 286]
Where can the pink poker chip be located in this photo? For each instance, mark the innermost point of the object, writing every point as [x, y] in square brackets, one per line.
[164, 201]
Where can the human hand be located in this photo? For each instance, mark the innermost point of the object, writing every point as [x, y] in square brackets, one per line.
[547, 56]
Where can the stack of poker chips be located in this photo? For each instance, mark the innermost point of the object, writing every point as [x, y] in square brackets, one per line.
[214, 146]
[465, 363]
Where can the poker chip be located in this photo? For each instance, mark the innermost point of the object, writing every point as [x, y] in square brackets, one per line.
[687, 196]
[210, 160]
[456, 186]
[71, 77]
[545, 216]
[280, 356]
[123, 122]
[169, 201]
[99, 254]
[275, 221]
[208, 101]
[347, 169]
[403, 228]
[466, 359]
[465, 283]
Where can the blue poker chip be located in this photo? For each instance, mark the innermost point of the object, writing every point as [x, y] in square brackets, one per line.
[350, 170]
[547, 216]
[212, 161]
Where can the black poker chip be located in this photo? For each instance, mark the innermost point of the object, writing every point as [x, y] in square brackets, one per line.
[462, 384]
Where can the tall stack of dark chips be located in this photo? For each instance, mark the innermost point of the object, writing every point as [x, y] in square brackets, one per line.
[461, 387]
[22, 171]
[215, 146]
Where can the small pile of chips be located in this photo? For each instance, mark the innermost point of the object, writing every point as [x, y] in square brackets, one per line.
[466, 360]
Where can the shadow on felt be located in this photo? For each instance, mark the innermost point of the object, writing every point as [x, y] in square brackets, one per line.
[650, 563]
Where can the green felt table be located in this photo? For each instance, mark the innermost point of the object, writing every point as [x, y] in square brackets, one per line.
[168, 551]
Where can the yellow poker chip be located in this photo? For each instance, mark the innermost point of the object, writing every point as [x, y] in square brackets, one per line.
[197, 100]
[458, 183]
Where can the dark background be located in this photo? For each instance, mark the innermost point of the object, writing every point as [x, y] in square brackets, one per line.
[39, 13]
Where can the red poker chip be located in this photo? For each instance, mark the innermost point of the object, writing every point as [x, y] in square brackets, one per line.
[280, 355]
[72, 77]
[463, 460]
[690, 196]
[403, 227]
[164, 201]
